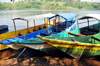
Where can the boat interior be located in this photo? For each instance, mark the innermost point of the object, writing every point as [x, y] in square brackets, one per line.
[84, 39]
[92, 27]
[62, 26]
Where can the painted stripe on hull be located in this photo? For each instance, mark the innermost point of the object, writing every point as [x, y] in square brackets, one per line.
[77, 51]
[77, 46]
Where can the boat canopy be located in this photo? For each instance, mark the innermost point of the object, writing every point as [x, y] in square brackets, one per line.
[96, 16]
[35, 17]
[66, 16]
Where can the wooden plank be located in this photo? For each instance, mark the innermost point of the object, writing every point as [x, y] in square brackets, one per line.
[76, 34]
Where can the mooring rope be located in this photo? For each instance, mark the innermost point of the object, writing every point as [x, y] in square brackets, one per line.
[16, 57]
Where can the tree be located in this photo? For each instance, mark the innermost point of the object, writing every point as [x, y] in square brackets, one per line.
[13, 1]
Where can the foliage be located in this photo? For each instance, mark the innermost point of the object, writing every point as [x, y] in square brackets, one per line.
[50, 4]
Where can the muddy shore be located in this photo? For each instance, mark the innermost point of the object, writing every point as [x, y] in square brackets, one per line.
[8, 58]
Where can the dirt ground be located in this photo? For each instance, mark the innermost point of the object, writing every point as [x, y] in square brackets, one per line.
[8, 58]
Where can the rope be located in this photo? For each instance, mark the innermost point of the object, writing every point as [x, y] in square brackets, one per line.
[81, 53]
[16, 57]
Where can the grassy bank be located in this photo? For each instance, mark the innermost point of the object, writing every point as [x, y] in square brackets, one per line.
[49, 5]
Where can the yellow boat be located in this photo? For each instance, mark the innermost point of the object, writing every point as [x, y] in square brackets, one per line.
[76, 46]
[28, 29]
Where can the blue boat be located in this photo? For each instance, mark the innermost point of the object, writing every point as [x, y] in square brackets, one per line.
[67, 22]
[3, 28]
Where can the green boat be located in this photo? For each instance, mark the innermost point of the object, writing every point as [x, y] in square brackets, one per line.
[76, 46]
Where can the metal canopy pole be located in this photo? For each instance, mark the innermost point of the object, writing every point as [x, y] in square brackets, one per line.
[59, 18]
[44, 23]
[88, 22]
[34, 26]
[56, 24]
[66, 24]
[98, 23]
[49, 22]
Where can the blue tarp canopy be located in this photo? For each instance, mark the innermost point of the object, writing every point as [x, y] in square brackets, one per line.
[66, 16]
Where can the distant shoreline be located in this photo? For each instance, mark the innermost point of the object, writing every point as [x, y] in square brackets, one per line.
[74, 5]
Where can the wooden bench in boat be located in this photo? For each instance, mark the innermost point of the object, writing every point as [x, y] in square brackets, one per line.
[76, 34]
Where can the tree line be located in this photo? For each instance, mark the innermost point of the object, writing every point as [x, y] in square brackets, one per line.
[50, 4]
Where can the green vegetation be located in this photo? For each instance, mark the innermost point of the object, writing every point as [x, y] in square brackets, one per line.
[50, 4]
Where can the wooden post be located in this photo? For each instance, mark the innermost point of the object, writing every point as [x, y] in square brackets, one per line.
[47, 20]
[34, 23]
[14, 27]
[28, 26]
[44, 21]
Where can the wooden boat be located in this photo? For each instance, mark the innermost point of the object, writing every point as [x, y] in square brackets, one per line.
[3, 28]
[89, 24]
[37, 43]
[26, 30]
[52, 31]
[89, 29]
[79, 31]
[76, 46]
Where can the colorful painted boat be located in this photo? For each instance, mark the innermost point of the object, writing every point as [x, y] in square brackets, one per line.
[33, 43]
[26, 30]
[76, 46]
[52, 30]
[90, 29]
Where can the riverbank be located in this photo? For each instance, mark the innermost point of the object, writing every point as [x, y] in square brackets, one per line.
[57, 5]
[8, 57]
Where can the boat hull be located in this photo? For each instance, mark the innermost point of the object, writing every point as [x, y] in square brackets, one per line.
[31, 50]
[16, 33]
[74, 49]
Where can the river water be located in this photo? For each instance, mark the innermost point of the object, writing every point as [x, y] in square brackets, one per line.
[7, 16]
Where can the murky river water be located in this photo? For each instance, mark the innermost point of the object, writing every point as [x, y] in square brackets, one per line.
[7, 16]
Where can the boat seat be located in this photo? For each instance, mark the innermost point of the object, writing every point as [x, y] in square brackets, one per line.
[45, 34]
[40, 28]
[34, 30]
[23, 37]
[97, 28]
[19, 34]
[94, 30]
[44, 27]
[53, 33]
[53, 28]
[61, 28]
[89, 31]
[64, 26]
[71, 21]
